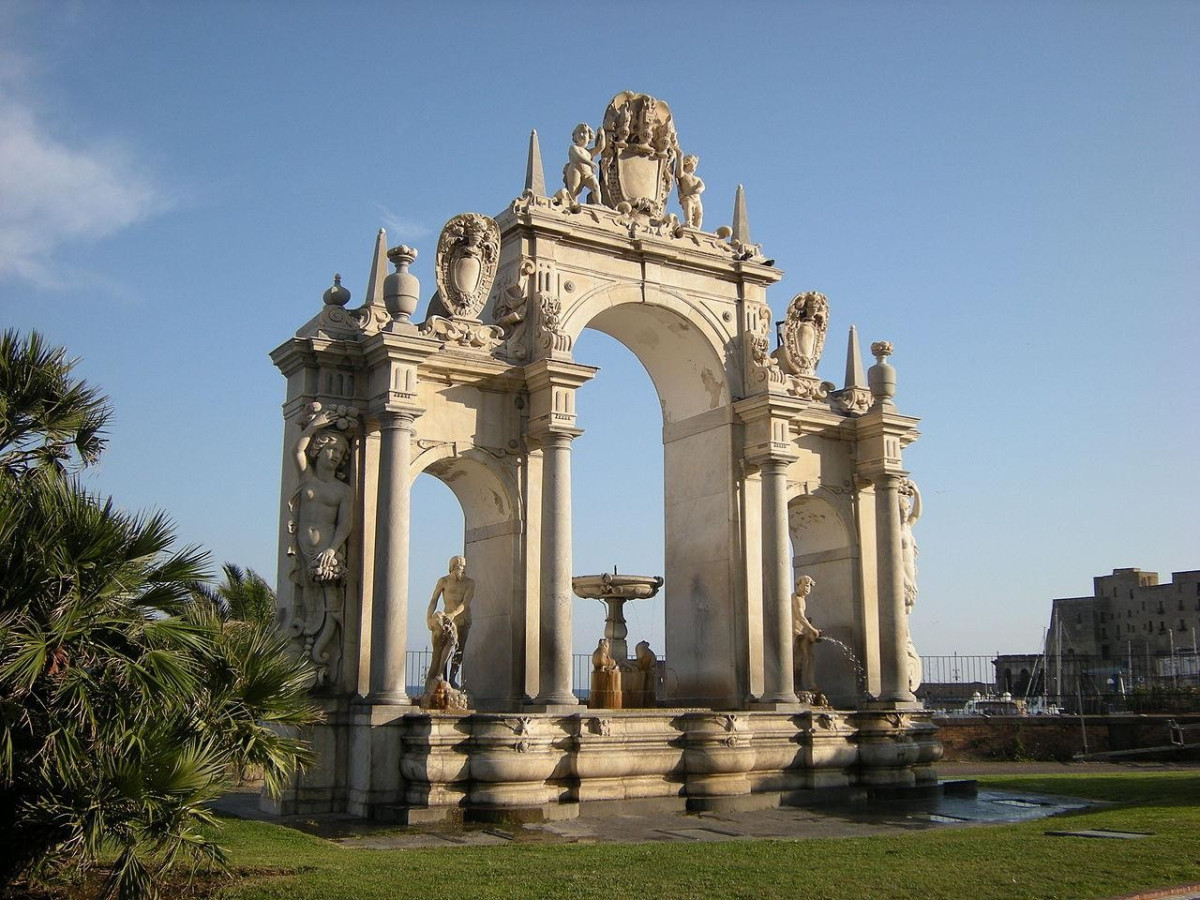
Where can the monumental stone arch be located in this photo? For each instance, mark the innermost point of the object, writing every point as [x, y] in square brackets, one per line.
[781, 490]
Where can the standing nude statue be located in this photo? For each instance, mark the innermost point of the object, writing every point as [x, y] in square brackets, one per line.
[690, 188]
[321, 523]
[804, 635]
[910, 511]
[580, 170]
[450, 627]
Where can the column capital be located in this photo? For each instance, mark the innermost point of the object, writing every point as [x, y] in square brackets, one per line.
[548, 434]
[889, 479]
[392, 419]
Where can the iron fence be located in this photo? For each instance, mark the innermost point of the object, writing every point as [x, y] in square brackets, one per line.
[1074, 683]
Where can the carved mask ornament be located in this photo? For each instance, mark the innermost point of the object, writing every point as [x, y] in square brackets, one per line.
[468, 252]
[638, 161]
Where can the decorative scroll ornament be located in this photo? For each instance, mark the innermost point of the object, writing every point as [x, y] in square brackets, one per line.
[852, 400]
[804, 329]
[760, 365]
[468, 252]
[466, 333]
[511, 310]
[637, 159]
[550, 334]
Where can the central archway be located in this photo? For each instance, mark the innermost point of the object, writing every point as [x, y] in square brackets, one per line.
[684, 348]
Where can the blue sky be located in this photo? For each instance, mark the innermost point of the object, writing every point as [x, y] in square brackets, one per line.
[1007, 191]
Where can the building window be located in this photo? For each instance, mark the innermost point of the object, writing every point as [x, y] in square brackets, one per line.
[1079, 618]
[1131, 593]
[1182, 625]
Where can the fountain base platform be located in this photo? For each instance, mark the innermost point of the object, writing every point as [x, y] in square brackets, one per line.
[408, 765]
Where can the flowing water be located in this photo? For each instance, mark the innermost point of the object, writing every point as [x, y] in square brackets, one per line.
[860, 676]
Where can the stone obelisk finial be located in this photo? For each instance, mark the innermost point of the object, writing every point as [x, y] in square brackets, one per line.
[741, 223]
[855, 377]
[379, 272]
[535, 176]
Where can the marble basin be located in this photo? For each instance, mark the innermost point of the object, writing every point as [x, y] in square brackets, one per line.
[614, 591]
[625, 587]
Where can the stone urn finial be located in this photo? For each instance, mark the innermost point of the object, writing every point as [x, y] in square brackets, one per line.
[882, 376]
[401, 289]
[336, 295]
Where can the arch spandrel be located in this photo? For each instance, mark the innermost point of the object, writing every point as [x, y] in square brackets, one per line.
[683, 345]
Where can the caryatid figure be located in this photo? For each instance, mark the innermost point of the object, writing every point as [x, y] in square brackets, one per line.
[456, 591]
[910, 511]
[804, 635]
[321, 523]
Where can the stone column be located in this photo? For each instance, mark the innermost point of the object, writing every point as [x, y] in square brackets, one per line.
[389, 606]
[777, 586]
[893, 619]
[554, 669]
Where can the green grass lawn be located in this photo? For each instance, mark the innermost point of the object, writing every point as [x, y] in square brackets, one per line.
[1009, 861]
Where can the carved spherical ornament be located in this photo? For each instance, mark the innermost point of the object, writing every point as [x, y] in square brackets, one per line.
[637, 165]
[804, 329]
[468, 252]
[337, 295]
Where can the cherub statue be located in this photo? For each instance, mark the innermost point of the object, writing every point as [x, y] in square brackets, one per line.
[804, 635]
[580, 170]
[690, 188]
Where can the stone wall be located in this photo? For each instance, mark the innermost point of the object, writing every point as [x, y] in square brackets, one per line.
[1050, 737]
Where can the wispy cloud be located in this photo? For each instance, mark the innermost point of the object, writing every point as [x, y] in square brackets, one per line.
[54, 191]
[400, 229]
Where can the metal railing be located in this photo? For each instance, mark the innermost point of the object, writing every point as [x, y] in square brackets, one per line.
[1075, 683]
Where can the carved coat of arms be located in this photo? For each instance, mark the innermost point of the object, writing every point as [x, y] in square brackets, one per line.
[468, 252]
[638, 161]
[804, 329]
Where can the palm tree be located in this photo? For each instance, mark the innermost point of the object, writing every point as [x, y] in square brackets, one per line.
[48, 420]
[124, 703]
[244, 595]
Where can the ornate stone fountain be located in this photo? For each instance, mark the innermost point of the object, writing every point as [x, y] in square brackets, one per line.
[617, 681]
[614, 591]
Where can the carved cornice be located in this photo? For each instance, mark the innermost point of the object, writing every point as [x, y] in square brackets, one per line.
[610, 232]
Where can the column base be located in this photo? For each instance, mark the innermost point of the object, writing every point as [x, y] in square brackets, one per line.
[389, 698]
[890, 704]
[785, 706]
[554, 703]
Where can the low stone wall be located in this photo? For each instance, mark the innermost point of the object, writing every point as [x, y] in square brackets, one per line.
[1050, 737]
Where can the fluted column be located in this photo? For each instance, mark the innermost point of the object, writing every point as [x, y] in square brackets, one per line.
[893, 620]
[777, 586]
[389, 606]
[554, 669]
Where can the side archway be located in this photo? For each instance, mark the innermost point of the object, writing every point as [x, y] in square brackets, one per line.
[823, 547]
[486, 489]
